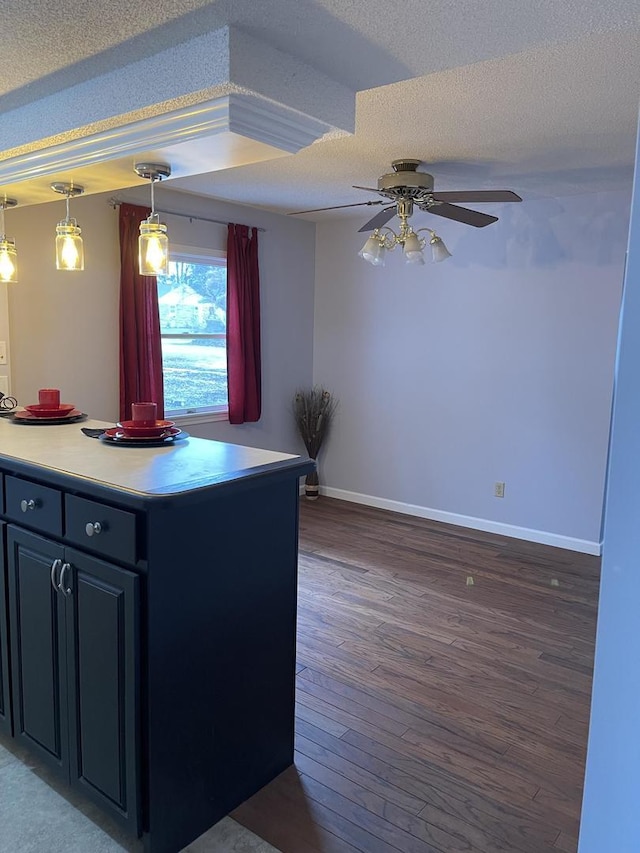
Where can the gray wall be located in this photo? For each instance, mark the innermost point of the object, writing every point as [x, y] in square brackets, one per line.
[495, 365]
[611, 819]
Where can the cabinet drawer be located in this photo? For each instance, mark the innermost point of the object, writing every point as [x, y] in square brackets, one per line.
[34, 505]
[103, 529]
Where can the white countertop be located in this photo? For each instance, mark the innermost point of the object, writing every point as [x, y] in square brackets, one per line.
[177, 468]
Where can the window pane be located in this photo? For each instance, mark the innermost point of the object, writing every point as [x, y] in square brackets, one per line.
[195, 373]
[192, 301]
[192, 298]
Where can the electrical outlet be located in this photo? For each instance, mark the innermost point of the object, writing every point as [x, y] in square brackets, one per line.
[498, 490]
[3, 352]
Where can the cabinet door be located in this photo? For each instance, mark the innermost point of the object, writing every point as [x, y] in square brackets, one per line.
[38, 672]
[103, 672]
[5, 708]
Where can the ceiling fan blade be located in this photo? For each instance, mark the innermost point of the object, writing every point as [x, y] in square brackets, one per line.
[368, 189]
[478, 196]
[379, 219]
[462, 214]
[337, 207]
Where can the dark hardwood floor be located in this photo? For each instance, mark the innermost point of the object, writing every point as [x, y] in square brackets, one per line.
[443, 688]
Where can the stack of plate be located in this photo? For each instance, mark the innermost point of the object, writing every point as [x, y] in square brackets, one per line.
[41, 413]
[143, 433]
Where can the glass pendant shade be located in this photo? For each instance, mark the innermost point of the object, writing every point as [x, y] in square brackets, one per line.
[8, 257]
[373, 251]
[153, 247]
[153, 243]
[413, 258]
[413, 249]
[8, 260]
[69, 246]
[439, 251]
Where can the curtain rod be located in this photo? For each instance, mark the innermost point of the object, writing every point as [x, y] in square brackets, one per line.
[115, 202]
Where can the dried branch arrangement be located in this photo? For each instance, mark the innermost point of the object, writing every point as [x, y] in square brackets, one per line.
[313, 411]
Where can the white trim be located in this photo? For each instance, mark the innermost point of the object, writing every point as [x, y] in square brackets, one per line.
[197, 254]
[195, 418]
[274, 124]
[540, 536]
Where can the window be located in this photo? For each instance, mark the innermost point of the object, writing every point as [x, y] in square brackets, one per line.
[192, 300]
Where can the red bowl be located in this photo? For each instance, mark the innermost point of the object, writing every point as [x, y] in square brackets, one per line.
[135, 429]
[43, 410]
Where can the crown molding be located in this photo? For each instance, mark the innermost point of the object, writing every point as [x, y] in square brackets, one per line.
[244, 114]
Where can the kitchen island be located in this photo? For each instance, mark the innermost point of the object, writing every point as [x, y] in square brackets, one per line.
[147, 620]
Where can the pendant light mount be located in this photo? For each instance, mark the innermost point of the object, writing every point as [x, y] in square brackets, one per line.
[69, 247]
[70, 190]
[153, 243]
[152, 171]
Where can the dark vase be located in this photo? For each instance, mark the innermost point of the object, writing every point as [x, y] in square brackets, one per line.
[311, 486]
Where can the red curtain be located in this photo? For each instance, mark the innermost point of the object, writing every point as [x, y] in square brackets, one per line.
[140, 343]
[243, 325]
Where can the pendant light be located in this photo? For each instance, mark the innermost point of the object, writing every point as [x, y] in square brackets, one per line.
[153, 243]
[69, 248]
[8, 257]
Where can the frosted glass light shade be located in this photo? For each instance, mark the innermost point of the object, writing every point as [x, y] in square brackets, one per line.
[8, 260]
[412, 248]
[69, 246]
[413, 257]
[153, 247]
[439, 251]
[373, 251]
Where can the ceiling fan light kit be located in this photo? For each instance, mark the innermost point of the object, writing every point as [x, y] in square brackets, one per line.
[406, 187]
[383, 241]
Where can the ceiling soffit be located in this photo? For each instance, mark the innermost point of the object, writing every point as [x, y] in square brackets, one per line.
[221, 82]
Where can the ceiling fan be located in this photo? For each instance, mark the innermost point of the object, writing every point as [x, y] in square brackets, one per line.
[405, 188]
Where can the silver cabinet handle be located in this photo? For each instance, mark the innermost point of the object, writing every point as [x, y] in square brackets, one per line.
[25, 505]
[62, 586]
[54, 568]
[93, 528]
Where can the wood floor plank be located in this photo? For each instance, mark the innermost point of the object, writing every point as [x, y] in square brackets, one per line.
[566, 844]
[433, 716]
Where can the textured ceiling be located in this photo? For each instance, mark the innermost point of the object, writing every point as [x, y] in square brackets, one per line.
[538, 96]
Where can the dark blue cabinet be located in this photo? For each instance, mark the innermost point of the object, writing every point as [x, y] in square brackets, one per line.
[75, 668]
[5, 700]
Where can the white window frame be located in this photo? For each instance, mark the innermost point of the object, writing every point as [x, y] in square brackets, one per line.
[192, 255]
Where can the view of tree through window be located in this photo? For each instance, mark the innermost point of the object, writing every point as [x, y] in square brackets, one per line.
[192, 299]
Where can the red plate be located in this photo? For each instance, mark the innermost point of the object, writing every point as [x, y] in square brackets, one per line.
[41, 410]
[24, 415]
[133, 429]
[121, 435]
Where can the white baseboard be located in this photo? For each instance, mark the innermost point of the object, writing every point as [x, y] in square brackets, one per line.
[540, 536]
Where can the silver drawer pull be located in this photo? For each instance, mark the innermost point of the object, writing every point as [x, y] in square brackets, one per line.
[93, 528]
[62, 586]
[25, 505]
[54, 568]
